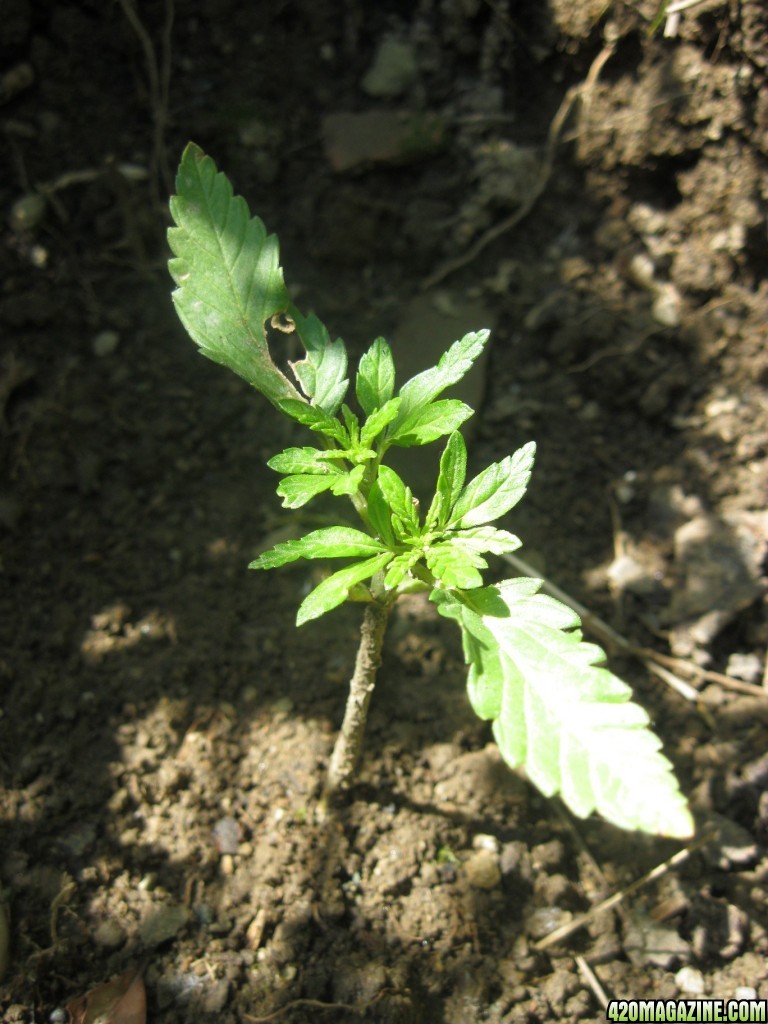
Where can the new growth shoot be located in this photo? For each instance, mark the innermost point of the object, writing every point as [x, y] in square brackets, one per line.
[555, 709]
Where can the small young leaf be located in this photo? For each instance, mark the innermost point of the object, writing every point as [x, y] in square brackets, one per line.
[452, 366]
[302, 460]
[378, 420]
[348, 483]
[558, 713]
[399, 568]
[455, 567]
[330, 542]
[495, 491]
[429, 422]
[334, 590]
[453, 469]
[298, 490]
[308, 415]
[399, 498]
[380, 515]
[321, 372]
[228, 275]
[375, 381]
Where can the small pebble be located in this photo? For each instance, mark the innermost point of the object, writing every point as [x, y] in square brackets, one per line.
[666, 306]
[483, 871]
[690, 981]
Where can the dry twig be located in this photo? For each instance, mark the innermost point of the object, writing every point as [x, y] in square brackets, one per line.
[582, 92]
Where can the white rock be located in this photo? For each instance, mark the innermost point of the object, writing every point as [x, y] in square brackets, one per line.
[690, 981]
[666, 305]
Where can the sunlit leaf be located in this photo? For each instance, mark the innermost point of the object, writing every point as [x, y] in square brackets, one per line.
[227, 273]
[560, 714]
[334, 590]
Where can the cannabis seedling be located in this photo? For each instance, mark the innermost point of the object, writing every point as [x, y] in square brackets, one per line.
[556, 711]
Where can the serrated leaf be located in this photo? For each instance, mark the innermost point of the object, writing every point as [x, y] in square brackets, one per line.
[334, 590]
[453, 470]
[455, 567]
[399, 498]
[330, 542]
[375, 383]
[348, 483]
[378, 420]
[399, 568]
[452, 366]
[486, 538]
[299, 489]
[380, 515]
[495, 491]
[568, 720]
[427, 423]
[303, 460]
[228, 274]
[321, 372]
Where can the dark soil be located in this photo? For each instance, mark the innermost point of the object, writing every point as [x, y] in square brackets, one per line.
[165, 727]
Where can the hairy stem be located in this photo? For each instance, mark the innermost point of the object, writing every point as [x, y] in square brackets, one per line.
[350, 740]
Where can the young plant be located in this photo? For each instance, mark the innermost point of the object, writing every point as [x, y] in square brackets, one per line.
[556, 711]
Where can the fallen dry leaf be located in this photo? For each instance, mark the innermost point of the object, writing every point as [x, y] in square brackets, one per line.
[120, 1001]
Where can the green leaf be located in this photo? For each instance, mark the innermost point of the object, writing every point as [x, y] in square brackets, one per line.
[399, 568]
[334, 590]
[400, 499]
[556, 711]
[378, 420]
[375, 383]
[303, 460]
[321, 372]
[455, 567]
[495, 491]
[453, 469]
[330, 542]
[453, 365]
[228, 274]
[380, 515]
[348, 483]
[430, 422]
[486, 538]
[298, 490]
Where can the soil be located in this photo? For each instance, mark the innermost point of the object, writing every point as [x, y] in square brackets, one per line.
[165, 727]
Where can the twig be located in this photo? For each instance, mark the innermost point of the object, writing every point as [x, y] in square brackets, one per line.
[582, 91]
[663, 666]
[314, 1004]
[159, 77]
[592, 980]
[661, 869]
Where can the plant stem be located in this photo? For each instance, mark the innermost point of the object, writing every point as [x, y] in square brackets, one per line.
[350, 740]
